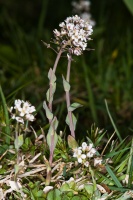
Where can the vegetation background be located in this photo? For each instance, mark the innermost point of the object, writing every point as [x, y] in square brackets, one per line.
[105, 73]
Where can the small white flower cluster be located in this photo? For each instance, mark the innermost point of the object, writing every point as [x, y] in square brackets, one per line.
[23, 111]
[74, 34]
[84, 153]
[82, 8]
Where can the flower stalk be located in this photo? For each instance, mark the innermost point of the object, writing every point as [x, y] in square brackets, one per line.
[68, 97]
[50, 81]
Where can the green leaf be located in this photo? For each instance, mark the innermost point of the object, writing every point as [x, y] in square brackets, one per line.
[54, 195]
[50, 98]
[129, 4]
[19, 142]
[73, 119]
[48, 112]
[66, 84]
[72, 142]
[51, 76]
[113, 124]
[112, 175]
[89, 188]
[73, 106]
[7, 128]
[52, 138]
[76, 198]
[48, 95]
[113, 153]
[39, 193]
[55, 123]
[16, 169]
[65, 188]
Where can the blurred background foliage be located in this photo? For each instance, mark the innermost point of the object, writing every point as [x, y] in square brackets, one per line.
[105, 73]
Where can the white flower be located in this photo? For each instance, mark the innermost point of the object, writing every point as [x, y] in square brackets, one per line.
[77, 152]
[84, 145]
[13, 116]
[97, 161]
[87, 17]
[62, 24]
[11, 109]
[91, 152]
[88, 148]
[81, 5]
[57, 33]
[63, 32]
[30, 117]
[81, 157]
[23, 111]
[19, 119]
[18, 104]
[74, 33]
[82, 8]
[86, 164]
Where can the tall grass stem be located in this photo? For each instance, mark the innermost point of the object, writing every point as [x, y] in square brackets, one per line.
[89, 91]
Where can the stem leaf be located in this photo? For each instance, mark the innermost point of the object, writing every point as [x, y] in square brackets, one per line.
[51, 76]
[73, 119]
[72, 142]
[19, 142]
[52, 137]
[66, 84]
[48, 112]
[73, 106]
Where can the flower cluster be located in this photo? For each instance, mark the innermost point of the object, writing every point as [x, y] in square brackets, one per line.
[82, 8]
[84, 153]
[74, 34]
[23, 111]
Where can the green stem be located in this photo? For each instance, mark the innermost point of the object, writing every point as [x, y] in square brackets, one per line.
[16, 137]
[68, 98]
[51, 86]
[49, 173]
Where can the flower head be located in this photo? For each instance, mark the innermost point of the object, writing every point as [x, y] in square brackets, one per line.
[74, 34]
[23, 111]
[85, 153]
[82, 8]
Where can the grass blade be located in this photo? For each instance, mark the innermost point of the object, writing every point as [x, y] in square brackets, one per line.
[129, 4]
[7, 128]
[89, 91]
[115, 179]
[112, 121]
